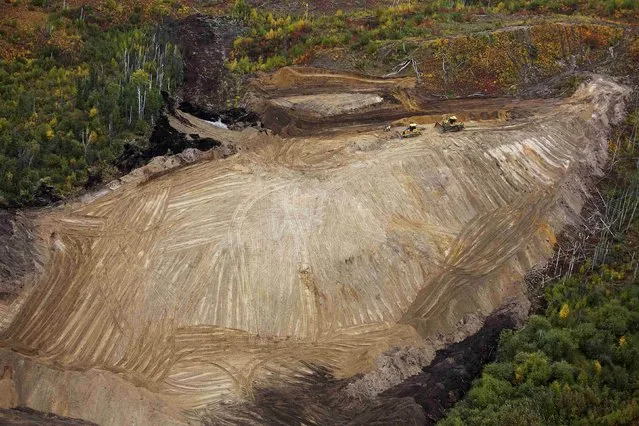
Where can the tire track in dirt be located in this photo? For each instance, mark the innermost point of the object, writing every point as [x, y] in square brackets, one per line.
[320, 252]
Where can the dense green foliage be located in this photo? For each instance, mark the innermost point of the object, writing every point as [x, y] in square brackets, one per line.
[273, 41]
[72, 107]
[94, 73]
[579, 362]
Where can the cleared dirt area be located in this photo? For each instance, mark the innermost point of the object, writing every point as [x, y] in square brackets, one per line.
[298, 101]
[175, 298]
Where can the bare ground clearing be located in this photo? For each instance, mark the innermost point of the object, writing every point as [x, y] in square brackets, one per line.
[166, 299]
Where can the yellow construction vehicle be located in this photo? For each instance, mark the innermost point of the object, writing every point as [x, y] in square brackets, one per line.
[450, 125]
[410, 132]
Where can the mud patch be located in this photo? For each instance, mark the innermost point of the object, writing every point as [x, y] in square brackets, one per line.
[165, 140]
[449, 377]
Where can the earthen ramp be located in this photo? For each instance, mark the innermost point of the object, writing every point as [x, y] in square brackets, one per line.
[165, 300]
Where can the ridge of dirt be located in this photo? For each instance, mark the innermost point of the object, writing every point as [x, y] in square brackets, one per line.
[329, 104]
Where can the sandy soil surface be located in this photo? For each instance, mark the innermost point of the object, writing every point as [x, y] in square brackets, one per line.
[329, 104]
[178, 293]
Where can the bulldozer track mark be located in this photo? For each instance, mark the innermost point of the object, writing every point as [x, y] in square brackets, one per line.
[317, 252]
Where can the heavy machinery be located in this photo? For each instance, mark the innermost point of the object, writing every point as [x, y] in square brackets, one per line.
[410, 132]
[450, 125]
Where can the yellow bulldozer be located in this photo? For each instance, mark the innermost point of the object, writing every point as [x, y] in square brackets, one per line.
[410, 132]
[450, 125]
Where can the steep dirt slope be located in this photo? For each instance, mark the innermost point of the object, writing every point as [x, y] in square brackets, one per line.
[205, 42]
[19, 255]
[202, 286]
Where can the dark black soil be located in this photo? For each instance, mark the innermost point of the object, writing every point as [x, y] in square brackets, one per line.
[205, 43]
[27, 417]
[320, 398]
[45, 194]
[449, 377]
[164, 140]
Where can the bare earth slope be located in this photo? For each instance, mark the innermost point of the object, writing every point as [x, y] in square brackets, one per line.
[202, 284]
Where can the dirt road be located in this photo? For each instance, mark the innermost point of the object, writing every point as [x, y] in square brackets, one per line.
[199, 286]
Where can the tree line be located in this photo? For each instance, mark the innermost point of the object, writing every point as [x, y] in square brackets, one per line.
[67, 111]
[577, 362]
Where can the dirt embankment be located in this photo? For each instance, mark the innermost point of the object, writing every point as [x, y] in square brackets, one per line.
[449, 376]
[20, 257]
[321, 398]
[166, 140]
[333, 263]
